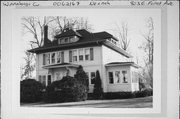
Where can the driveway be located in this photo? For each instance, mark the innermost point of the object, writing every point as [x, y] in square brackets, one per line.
[145, 102]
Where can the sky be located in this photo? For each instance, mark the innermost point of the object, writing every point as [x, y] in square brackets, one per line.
[108, 19]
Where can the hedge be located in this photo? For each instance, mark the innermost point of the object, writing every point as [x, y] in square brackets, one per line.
[31, 91]
[123, 95]
[68, 89]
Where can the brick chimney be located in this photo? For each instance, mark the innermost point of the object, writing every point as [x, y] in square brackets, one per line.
[45, 35]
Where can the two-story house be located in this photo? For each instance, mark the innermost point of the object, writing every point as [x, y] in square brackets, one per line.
[94, 51]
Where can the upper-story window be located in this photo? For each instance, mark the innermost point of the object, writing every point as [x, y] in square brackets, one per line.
[113, 41]
[87, 54]
[81, 54]
[53, 58]
[48, 61]
[58, 57]
[74, 55]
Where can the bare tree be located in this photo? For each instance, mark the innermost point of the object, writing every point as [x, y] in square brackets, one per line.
[123, 35]
[35, 26]
[29, 66]
[60, 24]
[148, 49]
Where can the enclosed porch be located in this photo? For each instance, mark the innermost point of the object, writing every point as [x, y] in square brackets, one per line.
[122, 77]
[58, 71]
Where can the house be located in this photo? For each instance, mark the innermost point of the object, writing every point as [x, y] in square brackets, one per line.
[94, 51]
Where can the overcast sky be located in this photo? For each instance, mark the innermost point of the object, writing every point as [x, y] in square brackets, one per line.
[106, 20]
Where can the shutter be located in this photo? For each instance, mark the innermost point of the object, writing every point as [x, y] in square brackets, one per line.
[70, 56]
[91, 54]
[44, 59]
[62, 57]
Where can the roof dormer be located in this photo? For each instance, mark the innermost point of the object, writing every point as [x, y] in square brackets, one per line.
[68, 36]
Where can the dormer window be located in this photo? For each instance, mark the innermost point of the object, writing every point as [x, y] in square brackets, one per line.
[65, 40]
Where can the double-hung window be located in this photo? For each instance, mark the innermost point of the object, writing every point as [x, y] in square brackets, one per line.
[58, 57]
[87, 54]
[53, 61]
[81, 55]
[74, 55]
[48, 58]
[93, 76]
[111, 78]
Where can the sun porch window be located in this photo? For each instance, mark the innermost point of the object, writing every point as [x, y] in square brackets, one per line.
[111, 78]
[117, 76]
[124, 76]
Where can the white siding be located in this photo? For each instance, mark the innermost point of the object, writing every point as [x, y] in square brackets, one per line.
[89, 66]
[108, 56]
[135, 86]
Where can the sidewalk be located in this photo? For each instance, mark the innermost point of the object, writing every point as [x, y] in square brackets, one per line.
[91, 102]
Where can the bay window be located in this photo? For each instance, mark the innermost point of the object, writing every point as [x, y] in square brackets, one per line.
[111, 78]
[124, 76]
[117, 76]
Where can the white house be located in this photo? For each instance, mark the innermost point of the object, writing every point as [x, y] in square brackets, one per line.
[94, 51]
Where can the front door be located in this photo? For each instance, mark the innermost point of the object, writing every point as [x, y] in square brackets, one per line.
[49, 79]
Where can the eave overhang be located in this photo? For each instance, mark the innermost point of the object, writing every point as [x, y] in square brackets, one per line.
[62, 65]
[112, 64]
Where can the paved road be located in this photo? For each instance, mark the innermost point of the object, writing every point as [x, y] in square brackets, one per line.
[120, 103]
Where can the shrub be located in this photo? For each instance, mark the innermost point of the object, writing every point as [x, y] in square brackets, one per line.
[66, 90]
[98, 91]
[82, 77]
[125, 95]
[144, 93]
[31, 91]
[118, 95]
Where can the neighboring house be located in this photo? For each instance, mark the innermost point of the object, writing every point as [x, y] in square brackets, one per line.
[94, 51]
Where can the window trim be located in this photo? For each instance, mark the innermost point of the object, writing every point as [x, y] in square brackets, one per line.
[83, 54]
[115, 82]
[111, 77]
[87, 54]
[75, 55]
[126, 76]
[91, 77]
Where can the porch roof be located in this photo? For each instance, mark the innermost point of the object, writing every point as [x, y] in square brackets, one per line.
[61, 65]
[122, 64]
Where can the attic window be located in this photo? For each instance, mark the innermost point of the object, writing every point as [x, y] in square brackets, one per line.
[67, 40]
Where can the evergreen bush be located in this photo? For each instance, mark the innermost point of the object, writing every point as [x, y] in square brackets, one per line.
[31, 91]
[98, 91]
[68, 89]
